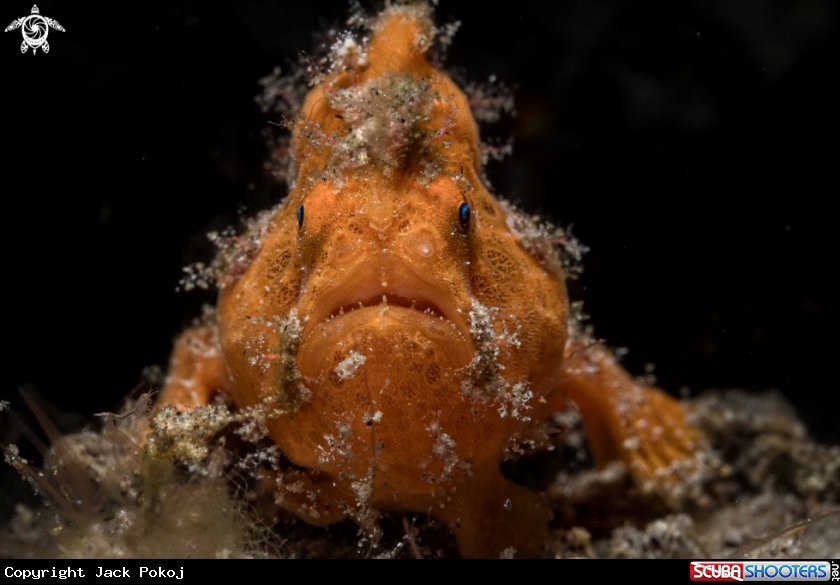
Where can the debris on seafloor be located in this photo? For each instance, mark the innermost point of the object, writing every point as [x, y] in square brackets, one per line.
[764, 490]
[106, 497]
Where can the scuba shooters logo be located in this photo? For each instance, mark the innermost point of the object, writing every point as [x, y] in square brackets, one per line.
[717, 571]
[764, 571]
[35, 29]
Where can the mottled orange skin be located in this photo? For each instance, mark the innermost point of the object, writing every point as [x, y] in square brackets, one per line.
[437, 440]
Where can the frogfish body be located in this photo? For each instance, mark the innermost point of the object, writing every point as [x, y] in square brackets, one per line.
[407, 326]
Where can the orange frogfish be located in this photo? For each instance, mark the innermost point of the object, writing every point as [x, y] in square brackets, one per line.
[409, 327]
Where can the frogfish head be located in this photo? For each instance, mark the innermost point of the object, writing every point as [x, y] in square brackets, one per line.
[391, 293]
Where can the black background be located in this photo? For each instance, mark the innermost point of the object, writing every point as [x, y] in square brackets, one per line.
[693, 145]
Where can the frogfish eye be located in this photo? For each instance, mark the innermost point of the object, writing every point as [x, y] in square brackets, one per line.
[300, 216]
[464, 214]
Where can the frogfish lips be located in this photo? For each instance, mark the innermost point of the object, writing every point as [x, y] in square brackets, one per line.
[385, 300]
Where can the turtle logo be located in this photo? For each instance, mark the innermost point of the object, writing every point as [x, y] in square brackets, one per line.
[35, 29]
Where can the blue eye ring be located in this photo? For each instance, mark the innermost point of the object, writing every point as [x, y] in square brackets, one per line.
[464, 214]
[300, 216]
